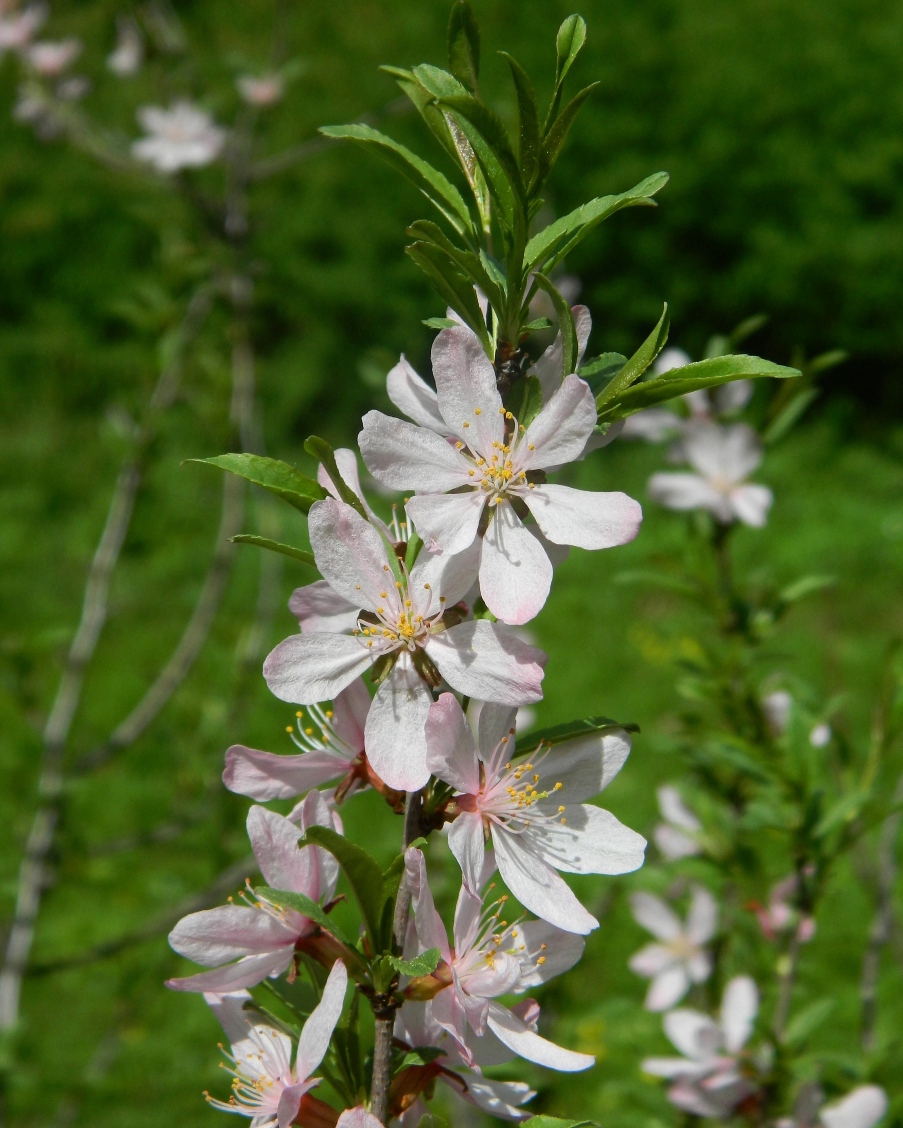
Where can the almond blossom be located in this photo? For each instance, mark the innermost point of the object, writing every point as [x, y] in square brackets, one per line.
[488, 958]
[49, 59]
[266, 1086]
[17, 28]
[416, 1028]
[781, 915]
[531, 809]
[265, 90]
[408, 623]
[127, 56]
[477, 489]
[680, 958]
[261, 935]
[710, 1079]
[182, 136]
[862, 1108]
[722, 458]
[332, 748]
[675, 834]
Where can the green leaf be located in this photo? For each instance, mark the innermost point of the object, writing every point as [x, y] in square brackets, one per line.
[570, 729]
[679, 381]
[277, 477]
[415, 544]
[422, 1055]
[601, 369]
[453, 286]
[557, 135]
[469, 264]
[537, 324]
[425, 103]
[487, 134]
[554, 1122]
[439, 323]
[826, 360]
[464, 45]
[528, 113]
[424, 964]
[275, 546]
[549, 246]
[323, 452]
[637, 365]
[432, 183]
[525, 401]
[789, 416]
[568, 329]
[808, 1020]
[568, 45]
[807, 585]
[363, 874]
[305, 906]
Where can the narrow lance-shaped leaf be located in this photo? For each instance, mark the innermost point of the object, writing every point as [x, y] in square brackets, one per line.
[557, 134]
[570, 346]
[568, 44]
[432, 183]
[363, 874]
[549, 246]
[464, 45]
[272, 475]
[567, 731]
[554, 1122]
[528, 113]
[680, 381]
[601, 369]
[323, 452]
[424, 102]
[275, 546]
[467, 262]
[637, 365]
[454, 287]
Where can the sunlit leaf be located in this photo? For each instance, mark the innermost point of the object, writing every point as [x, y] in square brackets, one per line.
[272, 475]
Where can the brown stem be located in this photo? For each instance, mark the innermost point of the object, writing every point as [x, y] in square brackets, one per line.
[385, 1017]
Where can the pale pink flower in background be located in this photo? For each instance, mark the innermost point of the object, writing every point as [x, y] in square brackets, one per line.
[265, 1086]
[264, 90]
[49, 59]
[17, 28]
[127, 56]
[416, 1027]
[778, 706]
[531, 809]
[709, 1079]
[332, 744]
[411, 623]
[182, 136]
[675, 837]
[499, 470]
[722, 458]
[780, 914]
[862, 1108]
[489, 958]
[681, 957]
[261, 935]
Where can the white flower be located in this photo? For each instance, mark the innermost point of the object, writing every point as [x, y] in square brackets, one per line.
[410, 625]
[17, 28]
[127, 56]
[862, 1108]
[531, 809]
[820, 736]
[181, 137]
[489, 958]
[497, 473]
[723, 458]
[776, 706]
[680, 958]
[709, 1079]
[675, 836]
[265, 90]
[51, 59]
[266, 1087]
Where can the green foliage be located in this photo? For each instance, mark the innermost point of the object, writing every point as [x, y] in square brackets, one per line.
[274, 546]
[278, 478]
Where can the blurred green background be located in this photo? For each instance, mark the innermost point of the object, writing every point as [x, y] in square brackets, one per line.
[782, 127]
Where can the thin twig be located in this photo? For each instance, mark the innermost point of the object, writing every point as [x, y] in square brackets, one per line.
[228, 879]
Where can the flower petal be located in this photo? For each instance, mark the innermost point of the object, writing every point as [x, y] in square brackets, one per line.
[350, 709]
[587, 520]
[467, 843]
[289, 1104]
[320, 609]
[275, 843]
[497, 1098]
[308, 668]
[447, 522]
[559, 432]
[537, 940]
[414, 397]
[586, 765]
[351, 555]
[862, 1108]
[694, 1034]
[469, 401]
[495, 724]
[358, 1118]
[246, 973]
[548, 368]
[451, 752]
[728, 453]
[592, 841]
[395, 737]
[536, 884]
[315, 1037]
[264, 775]
[653, 914]
[667, 988]
[215, 936]
[651, 960]
[702, 919]
[674, 809]
[430, 930]
[515, 1034]
[751, 504]
[486, 662]
[230, 1013]
[407, 457]
[449, 576]
[739, 1007]
[688, 491]
[674, 844]
[515, 573]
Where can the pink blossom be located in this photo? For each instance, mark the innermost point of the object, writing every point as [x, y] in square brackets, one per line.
[680, 957]
[675, 836]
[532, 809]
[265, 90]
[183, 136]
[710, 1079]
[50, 59]
[489, 958]
[408, 624]
[498, 472]
[781, 915]
[265, 1086]
[722, 458]
[261, 935]
[127, 56]
[17, 28]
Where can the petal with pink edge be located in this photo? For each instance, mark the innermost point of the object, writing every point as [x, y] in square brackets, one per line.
[560, 431]
[486, 662]
[351, 555]
[358, 1118]
[414, 397]
[451, 751]
[467, 843]
[430, 930]
[264, 775]
[395, 736]
[215, 936]
[246, 973]
[549, 366]
[350, 710]
[274, 840]
[447, 522]
[468, 397]
[407, 457]
[515, 1034]
[515, 573]
[584, 519]
[318, 608]
[537, 886]
[308, 668]
[315, 1037]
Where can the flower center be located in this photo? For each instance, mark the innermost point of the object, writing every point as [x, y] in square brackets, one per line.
[404, 620]
[500, 472]
[511, 791]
